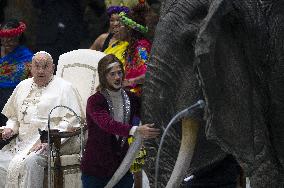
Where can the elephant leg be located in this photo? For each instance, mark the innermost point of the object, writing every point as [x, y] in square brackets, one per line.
[190, 129]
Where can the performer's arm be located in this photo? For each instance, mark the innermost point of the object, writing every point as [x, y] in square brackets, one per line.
[97, 111]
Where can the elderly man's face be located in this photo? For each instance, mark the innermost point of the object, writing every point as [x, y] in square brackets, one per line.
[42, 70]
[114, 78]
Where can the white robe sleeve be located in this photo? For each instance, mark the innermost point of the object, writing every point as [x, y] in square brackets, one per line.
[71, 99]
[13, 124]
[10, 111]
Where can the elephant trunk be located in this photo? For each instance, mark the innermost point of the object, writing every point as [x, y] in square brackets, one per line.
[126, 163]
[189, 134]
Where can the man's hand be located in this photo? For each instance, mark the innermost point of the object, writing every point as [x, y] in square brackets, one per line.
[147, 131]
[7, 133]
[40, 148]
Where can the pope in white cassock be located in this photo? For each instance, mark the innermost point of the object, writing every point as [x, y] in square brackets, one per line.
[22, 162]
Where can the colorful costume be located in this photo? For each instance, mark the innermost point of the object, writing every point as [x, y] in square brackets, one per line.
[118, 49]
[136, 63]
[14, 67]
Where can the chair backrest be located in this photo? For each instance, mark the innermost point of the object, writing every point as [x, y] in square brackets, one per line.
[80, 68]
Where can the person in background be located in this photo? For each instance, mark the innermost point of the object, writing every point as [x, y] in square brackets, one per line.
[139, 24]
[105, 39]
[110, 115]
[15, 60]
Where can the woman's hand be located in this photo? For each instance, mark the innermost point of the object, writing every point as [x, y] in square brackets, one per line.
[147, 131]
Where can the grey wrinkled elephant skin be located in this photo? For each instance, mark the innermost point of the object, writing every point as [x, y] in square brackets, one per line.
[231, 53]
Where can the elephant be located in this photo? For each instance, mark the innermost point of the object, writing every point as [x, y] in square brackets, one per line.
[230, 53]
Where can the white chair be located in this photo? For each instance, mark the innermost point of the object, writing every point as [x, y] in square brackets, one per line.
[80, 68]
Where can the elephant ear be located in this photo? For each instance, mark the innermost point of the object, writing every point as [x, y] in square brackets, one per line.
[171, 84]
[276, 33]
[232, 66]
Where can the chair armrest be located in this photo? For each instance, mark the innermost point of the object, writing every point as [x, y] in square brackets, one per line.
[55, 139]
[56, 134]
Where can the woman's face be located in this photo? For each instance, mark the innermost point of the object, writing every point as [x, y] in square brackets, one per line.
[9, 43]
[114, 23]
[123, 33]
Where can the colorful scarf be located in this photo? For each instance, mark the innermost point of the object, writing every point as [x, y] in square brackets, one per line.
[15, 67]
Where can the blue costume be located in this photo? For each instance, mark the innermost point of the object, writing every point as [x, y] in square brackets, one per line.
[14, 67]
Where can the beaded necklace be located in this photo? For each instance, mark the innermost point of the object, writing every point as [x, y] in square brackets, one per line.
[126, 108]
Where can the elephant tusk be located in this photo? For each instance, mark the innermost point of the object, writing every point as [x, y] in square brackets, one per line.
[127, 161]
[189, 134]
